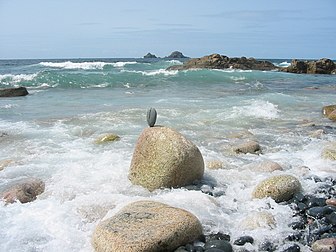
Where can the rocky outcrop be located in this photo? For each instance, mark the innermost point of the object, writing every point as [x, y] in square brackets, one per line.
[164, 158]
[150, 56]
[321, 66]
[216, 61]
[176, 55]
[280, 188]
[24, 191]
[146, 226]
[13, 92]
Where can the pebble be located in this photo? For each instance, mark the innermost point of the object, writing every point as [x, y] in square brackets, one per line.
[324, 245]
[243, 240]
[267, 246]
[331, 202]
[292, 248]
[218, 244]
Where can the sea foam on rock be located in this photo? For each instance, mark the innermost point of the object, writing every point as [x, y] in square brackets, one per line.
[146, 226]
[165, 158]
[24, 191]
[280, 188]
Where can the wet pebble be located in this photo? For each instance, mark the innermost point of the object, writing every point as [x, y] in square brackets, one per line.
[243, 240]
[292, 248]
[218, 244]
[267, 246]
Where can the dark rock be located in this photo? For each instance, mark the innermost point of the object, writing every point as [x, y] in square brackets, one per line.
[331, 218]
[298, 224]
[314, 202]
[149, 56]
[214, 250]
[218, 244]
[267, 246]
[321, 66]
[216, 61]
[292, 248]
[151, 117]
[319, 212]
[176, 55]
[13, 92]
[243, 240]
[218, 236]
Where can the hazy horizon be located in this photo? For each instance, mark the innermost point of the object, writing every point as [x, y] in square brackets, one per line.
[45, 29]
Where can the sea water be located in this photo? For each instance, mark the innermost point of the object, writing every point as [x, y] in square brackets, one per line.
[50, 134]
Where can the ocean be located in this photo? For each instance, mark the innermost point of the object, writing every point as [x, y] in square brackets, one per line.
[50, 134]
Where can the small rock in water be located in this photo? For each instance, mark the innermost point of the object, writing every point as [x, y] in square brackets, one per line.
[267, 246]
[324, 245]
[151, 117]
[243, 239]
[218, 244]
[107, 138]
[292, 248]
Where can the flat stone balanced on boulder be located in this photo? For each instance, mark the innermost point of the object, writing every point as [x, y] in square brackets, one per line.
[163, 158]
[13, 92]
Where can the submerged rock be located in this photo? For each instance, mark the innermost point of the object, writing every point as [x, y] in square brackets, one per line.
[217, 61]
[25, 191]
[12, 92]
[329, 152]
[4, 163]
[265, 166]
[107, 138]
[252, 147]
[164, 158]
[146, 226]
[326, 110]
[280, 188]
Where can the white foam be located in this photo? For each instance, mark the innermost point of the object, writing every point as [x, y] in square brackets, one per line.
[175, 62]
[18, 78]
[154, 72]
[85, 65]
[257, 109]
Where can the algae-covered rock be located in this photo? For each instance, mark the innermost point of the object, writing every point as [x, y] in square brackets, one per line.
[146, 226]
[326, 110]
[280, 188]
[107, 138]
[165, 158]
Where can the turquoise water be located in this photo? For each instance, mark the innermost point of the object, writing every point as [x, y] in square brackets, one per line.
[50, 134]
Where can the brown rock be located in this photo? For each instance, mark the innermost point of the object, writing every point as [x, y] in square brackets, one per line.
[321, 66]
[24, 191]
[164, 158]
[265, 166]
[146, 226]
[332, 116]
[217, 61]
[4, 163]
[326, 110]
[331, 202]
[252, 147]
[324, 245]
[12, 92]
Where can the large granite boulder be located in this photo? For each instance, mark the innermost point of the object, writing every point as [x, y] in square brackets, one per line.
[12, 92]
[165, 158]
[176, 55]
[280, 188]
[321, 66]
[24, 191]
[217, 61]
[146, 226]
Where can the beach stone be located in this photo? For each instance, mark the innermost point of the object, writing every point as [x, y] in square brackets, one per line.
[13, 92]
[265, 166]
[332, 116]
[256, 220]
[329, 152]
[326, 110]
[222, 245]
[146, 226]
[165, 158]
[247, 147]
[107, 138]
[24, 191]
[331, 202]
[280, 188]
[324, 245]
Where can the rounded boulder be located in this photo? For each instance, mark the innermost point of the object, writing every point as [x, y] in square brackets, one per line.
[165, 158]
[146, 226]
[280, 188]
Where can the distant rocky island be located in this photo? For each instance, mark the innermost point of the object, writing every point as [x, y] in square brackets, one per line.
[217, 61]
[173, 55]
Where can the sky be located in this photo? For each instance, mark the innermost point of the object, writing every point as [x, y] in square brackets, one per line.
[286, 29]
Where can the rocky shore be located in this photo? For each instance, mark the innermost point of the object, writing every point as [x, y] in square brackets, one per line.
[217, 61]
